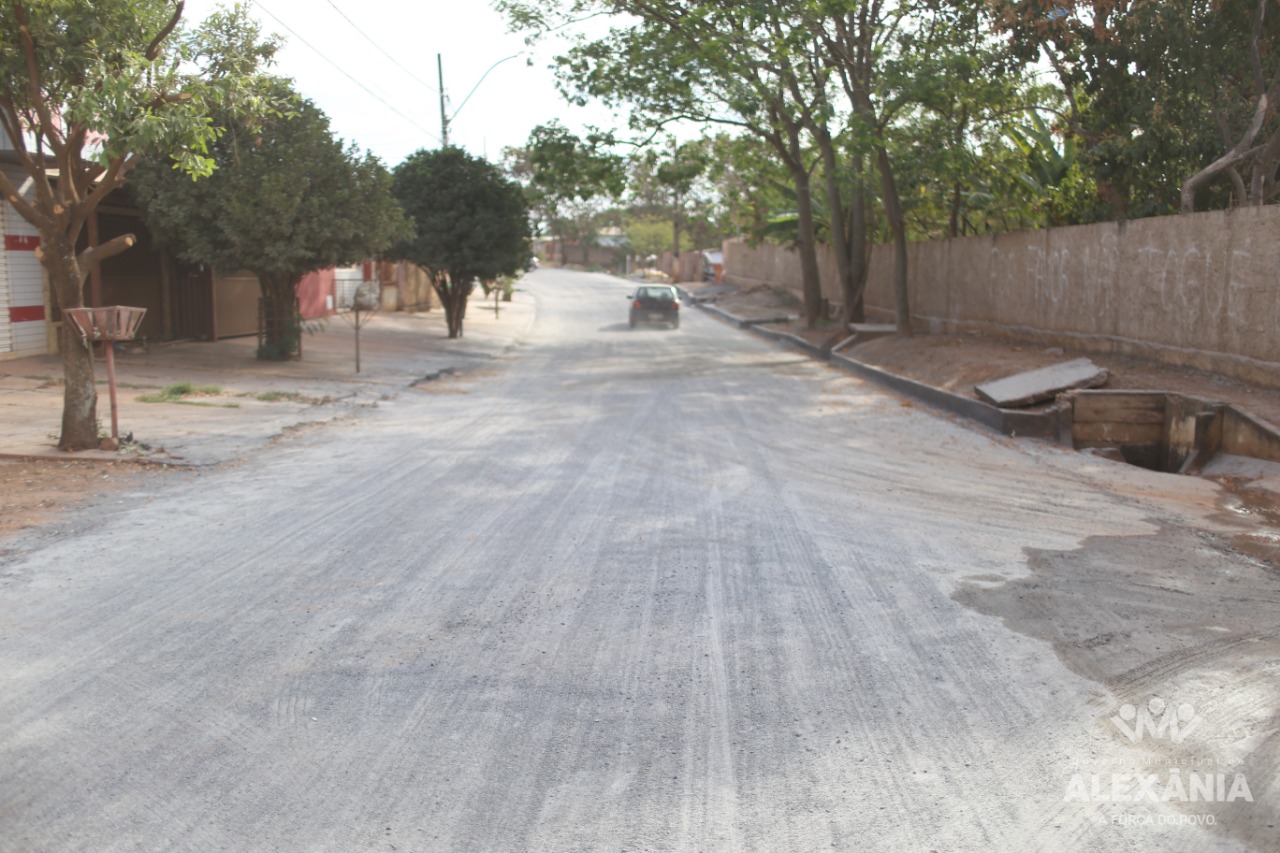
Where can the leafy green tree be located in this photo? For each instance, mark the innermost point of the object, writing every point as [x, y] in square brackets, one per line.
[841, 91]
[669, 179]
[749, 182]
[567, 179]
[471, 223]
[286, 198]
[648, 235]
[1050, 170]
[911, 70]
[1170, 101]
[704, 63]
[86, 90]
[566, 167]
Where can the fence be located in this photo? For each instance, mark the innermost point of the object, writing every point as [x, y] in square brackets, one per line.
[1201, 290]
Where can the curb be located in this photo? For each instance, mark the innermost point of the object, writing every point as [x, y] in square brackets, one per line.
[1044, 423]
[1038, 424]
[93, 457]
[793, 341]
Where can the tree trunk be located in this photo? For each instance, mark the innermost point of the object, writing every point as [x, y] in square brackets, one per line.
[464, 294]
[839, 239]
[898, 225]
[807, 245]
[675, 232]
[954, 228]
[454, 299]
[79, 396]
[806, 238]
[282, 336]
[859, 243]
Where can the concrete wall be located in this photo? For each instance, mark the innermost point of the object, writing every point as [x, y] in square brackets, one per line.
[687, 267]
[416, 292]
[1201, 290]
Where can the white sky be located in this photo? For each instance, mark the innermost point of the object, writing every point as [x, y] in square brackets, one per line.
[469, 35]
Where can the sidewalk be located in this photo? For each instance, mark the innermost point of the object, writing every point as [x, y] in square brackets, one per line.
[256, 400]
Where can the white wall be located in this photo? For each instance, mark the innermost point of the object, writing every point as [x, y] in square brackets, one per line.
[21, 281]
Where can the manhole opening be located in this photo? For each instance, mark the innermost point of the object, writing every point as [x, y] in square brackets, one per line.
[1166, 432]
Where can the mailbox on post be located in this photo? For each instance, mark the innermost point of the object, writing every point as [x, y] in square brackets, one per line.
[109, 324]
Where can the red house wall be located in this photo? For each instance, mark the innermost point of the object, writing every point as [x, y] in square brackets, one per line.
[315, 293]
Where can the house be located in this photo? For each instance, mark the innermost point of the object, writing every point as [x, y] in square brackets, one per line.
[183, 301]
[24, 307]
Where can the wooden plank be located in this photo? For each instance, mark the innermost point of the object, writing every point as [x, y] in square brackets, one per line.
[1112, 434]
[1122, 408]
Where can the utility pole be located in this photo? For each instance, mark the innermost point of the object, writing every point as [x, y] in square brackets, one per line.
[444, 117]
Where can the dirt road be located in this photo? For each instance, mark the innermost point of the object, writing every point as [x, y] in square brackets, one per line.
[641, 590]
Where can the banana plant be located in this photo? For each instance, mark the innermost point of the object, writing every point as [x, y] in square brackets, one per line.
[1047, 165]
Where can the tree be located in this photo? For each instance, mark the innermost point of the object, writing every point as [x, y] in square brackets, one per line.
[86, 90]
[672, 175]
[776, 70]
[470, 223]
[287, 198]
[568, 168]
[566, 177]
[1172, 103]
[1260, 159]
[749, 183]
[648, 235]
[705, 63]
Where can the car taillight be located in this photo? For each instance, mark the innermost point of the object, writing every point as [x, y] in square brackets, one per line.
[675, 306]
[636, 304]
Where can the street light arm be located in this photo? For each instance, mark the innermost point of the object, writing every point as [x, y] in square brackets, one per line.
[481, 80]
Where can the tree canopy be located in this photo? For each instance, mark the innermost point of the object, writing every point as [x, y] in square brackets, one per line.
[911, 119]
[286, 198]
[838, 90]
[1169, 101]
[567, 179]
[87, 89]
[470, 223]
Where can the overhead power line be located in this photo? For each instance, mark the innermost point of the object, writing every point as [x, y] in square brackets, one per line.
[344, 72]
[382, 50]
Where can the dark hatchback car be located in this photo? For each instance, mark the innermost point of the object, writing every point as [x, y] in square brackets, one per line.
[655, 303]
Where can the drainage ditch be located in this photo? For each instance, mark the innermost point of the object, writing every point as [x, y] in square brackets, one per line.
[1166, 432]
[1182, 435]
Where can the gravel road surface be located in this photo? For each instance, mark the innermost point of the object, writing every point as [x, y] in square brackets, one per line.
[641, 590]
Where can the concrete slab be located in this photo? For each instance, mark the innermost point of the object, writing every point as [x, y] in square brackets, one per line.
[863, 332]
[1256, 473]
[1038, 386]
